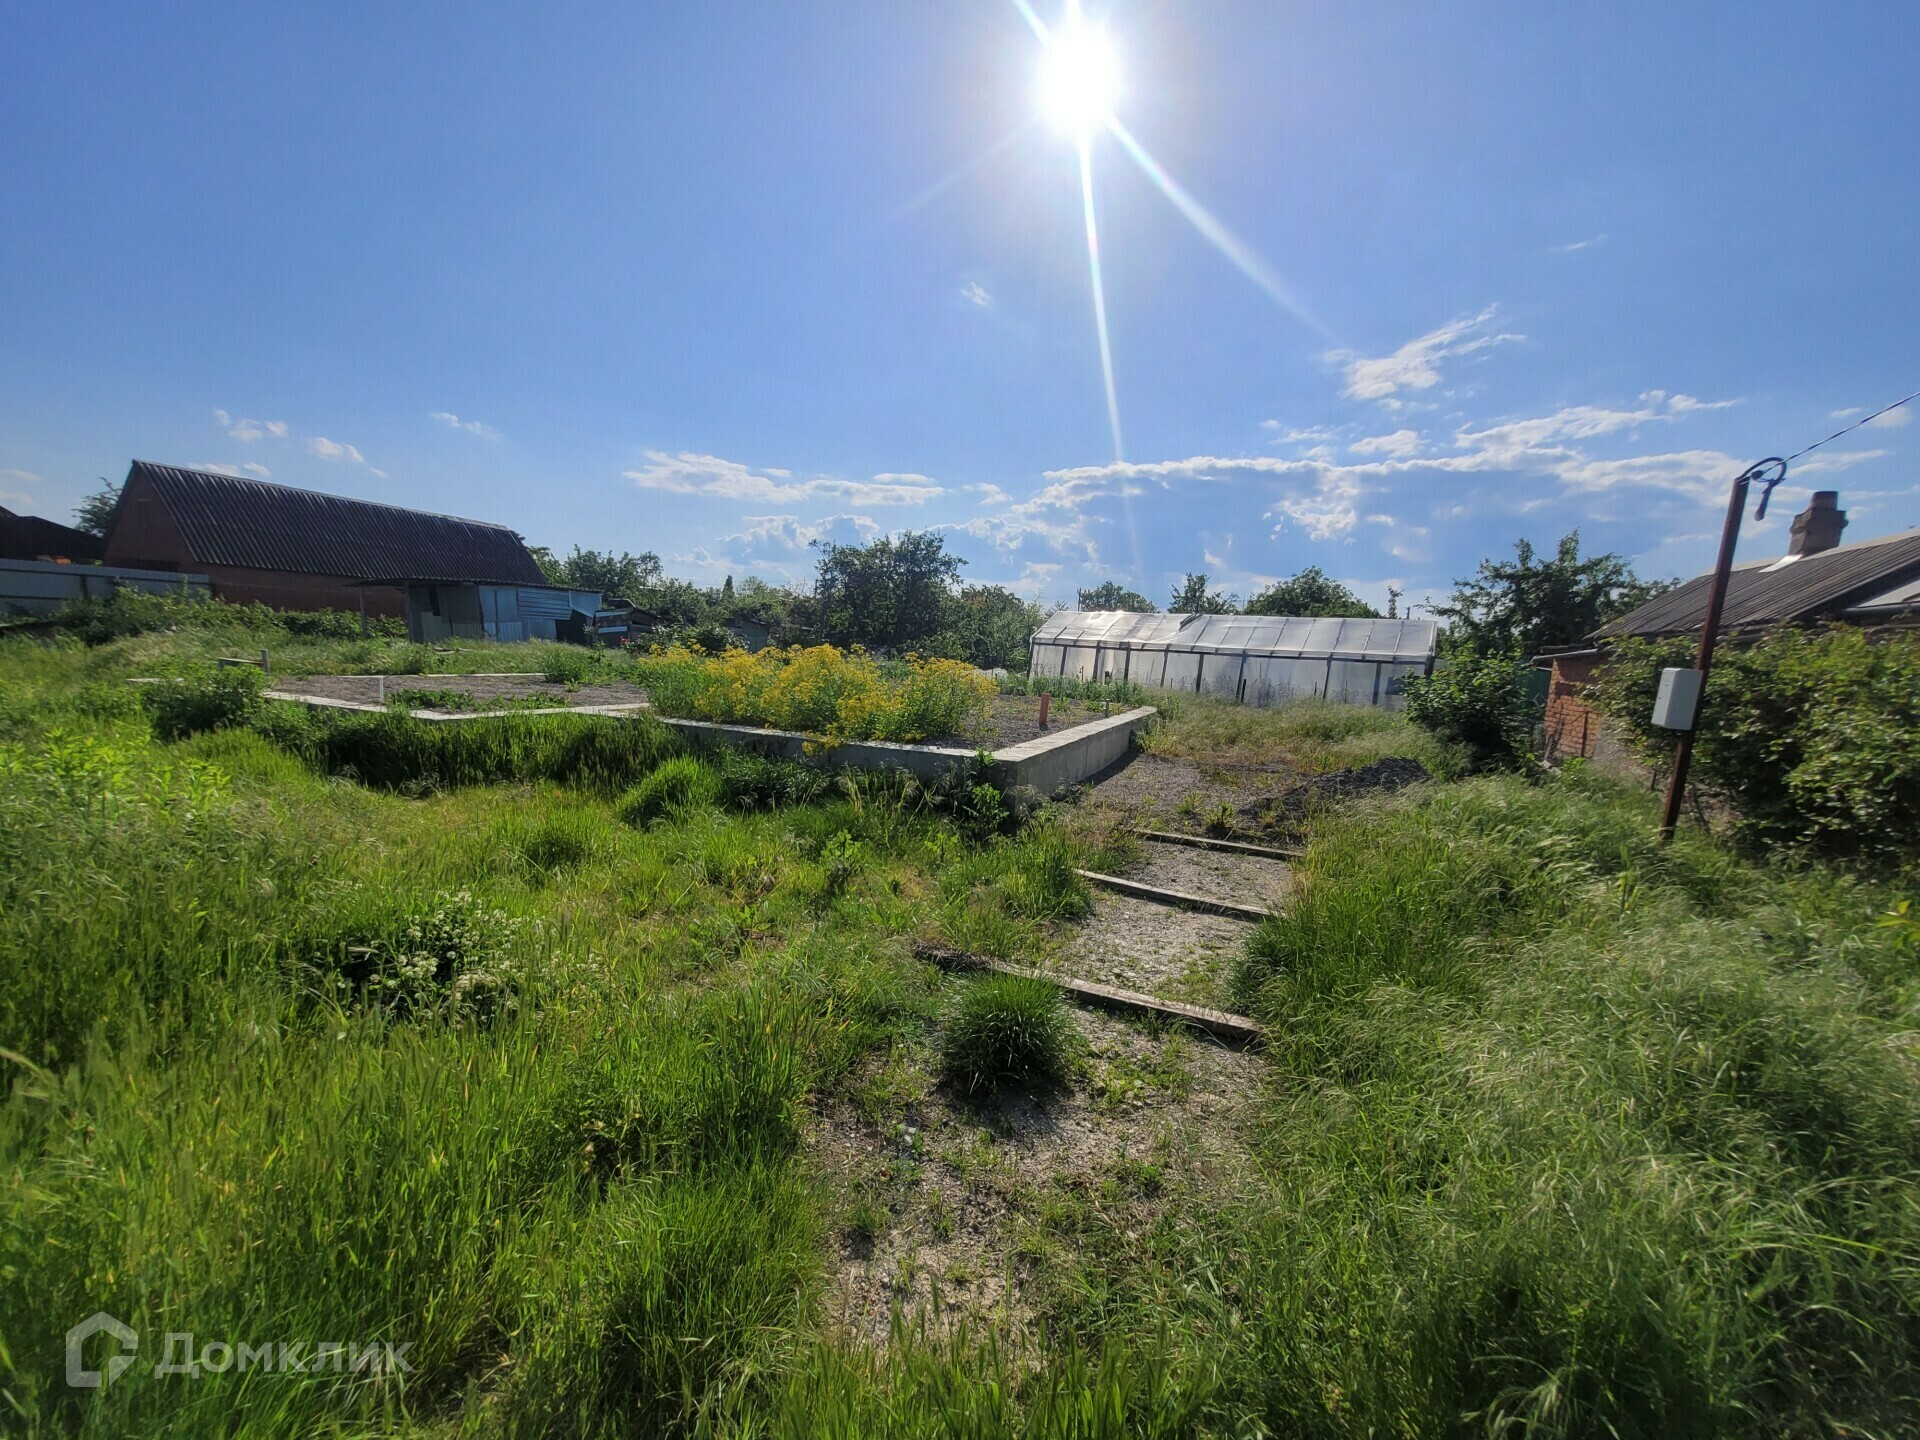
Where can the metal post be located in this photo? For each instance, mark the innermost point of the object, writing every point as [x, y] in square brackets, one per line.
[1710, 627]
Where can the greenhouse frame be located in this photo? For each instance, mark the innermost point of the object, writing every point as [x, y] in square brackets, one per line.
[1255, 659]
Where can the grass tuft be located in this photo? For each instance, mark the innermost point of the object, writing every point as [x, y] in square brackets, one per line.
[1007, 1030]
[681, 784]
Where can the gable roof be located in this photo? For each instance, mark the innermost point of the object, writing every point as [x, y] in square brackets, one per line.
[254, 525]
[1777, 592]
[23, 537]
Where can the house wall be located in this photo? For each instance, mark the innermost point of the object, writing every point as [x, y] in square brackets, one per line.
[1575, 730]
[1572, 726]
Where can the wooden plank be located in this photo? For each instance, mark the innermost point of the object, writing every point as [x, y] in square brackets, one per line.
[1240, 1029]
[1176, 897]
[1207, 842]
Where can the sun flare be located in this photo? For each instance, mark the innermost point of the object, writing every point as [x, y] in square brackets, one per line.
[1079, 76]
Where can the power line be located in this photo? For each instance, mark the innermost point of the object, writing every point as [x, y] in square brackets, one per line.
[1864, 419]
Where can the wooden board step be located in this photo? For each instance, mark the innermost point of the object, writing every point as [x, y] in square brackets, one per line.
[1176, 897]
[1238, 1029]
[1207, 842]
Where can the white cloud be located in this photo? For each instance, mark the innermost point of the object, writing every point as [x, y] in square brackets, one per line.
[974, 293]
[214, 468]
[23, 477]
[325, 449]
[709, 475]
[1846, 414]
[1416, 364]
[262, 471]
[1586, 244]
[790, 532]
[1400, 444]
[1892, 420]
[989, 494]
[247, 431]
[472, 427]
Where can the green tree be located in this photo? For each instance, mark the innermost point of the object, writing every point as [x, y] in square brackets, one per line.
[989, 626]
[894, 591]
[1311, 592]
[1522, 606]
[1112, 595]
[628, 576]
[1191, 597]
[95, 513]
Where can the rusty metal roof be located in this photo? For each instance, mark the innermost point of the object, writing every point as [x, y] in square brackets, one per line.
[1784, 591]
[258, 526]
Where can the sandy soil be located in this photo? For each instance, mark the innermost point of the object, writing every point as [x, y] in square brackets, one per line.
[1156, 949]
[953, 1195]
[365, 689]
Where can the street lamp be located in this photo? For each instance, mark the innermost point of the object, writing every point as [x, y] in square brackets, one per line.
[1681, 691]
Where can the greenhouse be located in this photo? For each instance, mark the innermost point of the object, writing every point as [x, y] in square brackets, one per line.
[1255, 659]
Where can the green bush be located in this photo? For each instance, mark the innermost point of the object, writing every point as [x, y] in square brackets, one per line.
[207, 698]
[127, 612]
[393, 751]
[1810, 737]
[567, 665]
[1007, 1029]
[683, 783]
[1478, 702]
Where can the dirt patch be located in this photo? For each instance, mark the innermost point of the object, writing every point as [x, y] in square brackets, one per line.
[487, 691]
[1015, 719]
[961, 1210]
[1155, 949]
[1285, 811]
[1252, 802]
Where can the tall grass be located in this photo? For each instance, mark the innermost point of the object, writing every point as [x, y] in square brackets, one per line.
[1557, 1132]
[1587, 1139]
[1312, 736]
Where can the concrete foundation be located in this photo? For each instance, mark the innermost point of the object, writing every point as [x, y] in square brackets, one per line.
[1045, 764]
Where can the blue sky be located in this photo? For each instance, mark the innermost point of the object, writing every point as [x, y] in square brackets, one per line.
[718, 280]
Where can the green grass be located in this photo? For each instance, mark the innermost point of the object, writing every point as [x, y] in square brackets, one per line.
[1311, 736]
[1006, 1029]
[1557, 1132]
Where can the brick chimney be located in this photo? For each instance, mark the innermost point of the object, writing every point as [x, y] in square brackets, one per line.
[1818, 527]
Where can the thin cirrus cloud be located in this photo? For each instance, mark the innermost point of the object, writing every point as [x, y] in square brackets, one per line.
[238, 472]
[1416, 364]
[472, 427]
[712, 477]
[247, 431]
[976, 294]
[323, 448]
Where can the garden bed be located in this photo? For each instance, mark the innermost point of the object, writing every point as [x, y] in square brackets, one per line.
[484, 694]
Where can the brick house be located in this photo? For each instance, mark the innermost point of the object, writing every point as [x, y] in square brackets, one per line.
[1818, 580]
[302, 550]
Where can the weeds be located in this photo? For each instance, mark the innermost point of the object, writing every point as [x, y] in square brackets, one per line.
[678, 785]
[1006, 1029]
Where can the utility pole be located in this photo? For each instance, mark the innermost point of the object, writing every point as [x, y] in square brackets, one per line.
[1770, 472]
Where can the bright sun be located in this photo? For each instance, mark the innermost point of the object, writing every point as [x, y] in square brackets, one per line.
[1079, 76]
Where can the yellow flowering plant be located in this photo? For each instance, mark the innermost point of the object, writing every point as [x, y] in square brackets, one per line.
[837, 694]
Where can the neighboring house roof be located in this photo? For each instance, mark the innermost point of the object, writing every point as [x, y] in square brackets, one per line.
[27, 537]
[1900, 600]
[254, 525]
[1784, 591]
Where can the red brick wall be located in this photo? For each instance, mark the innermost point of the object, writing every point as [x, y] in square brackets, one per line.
[1573, 727]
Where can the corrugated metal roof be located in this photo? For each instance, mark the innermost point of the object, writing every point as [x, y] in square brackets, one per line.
[1900, 597]
[1289, 636]
[255, 525]
[1774, 592]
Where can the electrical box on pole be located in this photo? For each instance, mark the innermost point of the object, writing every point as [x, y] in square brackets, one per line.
[1677, 703]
